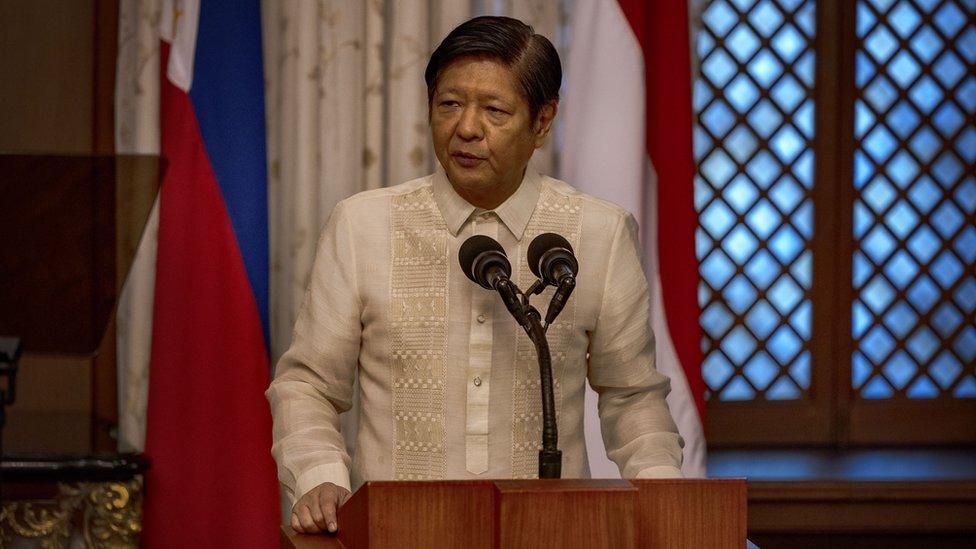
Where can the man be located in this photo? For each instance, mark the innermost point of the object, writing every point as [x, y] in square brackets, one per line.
[449, 384]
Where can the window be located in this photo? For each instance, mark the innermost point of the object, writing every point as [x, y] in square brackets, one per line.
[836, 147]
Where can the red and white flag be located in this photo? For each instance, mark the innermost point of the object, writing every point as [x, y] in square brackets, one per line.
[628, 139]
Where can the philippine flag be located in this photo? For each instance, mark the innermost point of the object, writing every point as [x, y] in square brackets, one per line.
[628, 139]
[211, 481]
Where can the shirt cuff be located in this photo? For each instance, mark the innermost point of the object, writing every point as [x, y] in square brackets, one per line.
[660, 471]
[336, 473]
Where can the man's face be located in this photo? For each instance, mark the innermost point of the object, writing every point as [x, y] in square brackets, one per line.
[482, 130]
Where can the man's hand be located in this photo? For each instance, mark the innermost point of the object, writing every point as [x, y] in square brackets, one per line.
[315, 512]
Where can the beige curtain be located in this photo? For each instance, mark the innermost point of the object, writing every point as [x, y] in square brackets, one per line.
[346, 111]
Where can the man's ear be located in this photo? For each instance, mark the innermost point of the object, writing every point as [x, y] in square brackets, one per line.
[543, 122]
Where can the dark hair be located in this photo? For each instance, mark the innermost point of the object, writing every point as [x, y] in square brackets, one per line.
[530, 56]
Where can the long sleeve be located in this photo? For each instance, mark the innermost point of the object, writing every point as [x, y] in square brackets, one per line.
[313, 381]
[638, 431]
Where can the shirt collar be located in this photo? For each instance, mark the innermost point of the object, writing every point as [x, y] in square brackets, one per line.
[514, 213]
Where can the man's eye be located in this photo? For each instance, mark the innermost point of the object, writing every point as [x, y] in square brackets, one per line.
[449, 103]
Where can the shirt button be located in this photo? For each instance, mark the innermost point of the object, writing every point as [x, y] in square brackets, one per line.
[477, 381]
[481, 319]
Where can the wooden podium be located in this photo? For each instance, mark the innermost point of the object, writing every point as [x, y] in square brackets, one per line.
[547, 514]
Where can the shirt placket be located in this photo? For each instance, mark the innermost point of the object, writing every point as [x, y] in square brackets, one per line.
[478, 373]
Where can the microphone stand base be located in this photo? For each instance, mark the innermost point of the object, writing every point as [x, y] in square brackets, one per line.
[550, 463]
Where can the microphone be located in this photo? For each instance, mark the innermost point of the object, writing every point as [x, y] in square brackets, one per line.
[483, 260]
[551, 259]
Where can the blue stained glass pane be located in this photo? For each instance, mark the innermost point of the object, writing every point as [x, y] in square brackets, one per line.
[902, 269]
[803, 68]
[881, 44]
[965, 296]
[741, 144]
[716, 319]
[923, 294]
[805, 19]
[864, 19]
[902, 169]
[925, 94]
[763, 168]
[784, 295]
[788, 43]
[741, 93]
[765, 68]
[703, 244]
[925, 144]
[744, 5]
[903, 69]
[878, 194]
[901, 219]
[763, 219]
[947, 219]
[900, 319]
[783, 389]
[877, 344]
[877, 294]
[965, 245]
[766, 18]
[786, 244]
[762, 269]
[966, 44]
[878, 244]
[863, 169]
[701, 95]
[879, 144]
[948, 69]
[804, 119]
[790, 5]
[877, 388]
[864, 69]
[949, 19]
[788, 93]
[948, 119]
[719, 17]
[945, 369]
[923, 344]
[922, 388]
[802, 269]
[784, 345]
[738, 345]
[704, 294]
[862, 269]
[965, 344]
[946, 269]
[881, 94]
[966, 145]
[716, 370]
[740, 244]
[860, 318]
[947, 169]
[762, 319]
[742, 43]
[787, 143]
[704, 44]
[966, 388]
[966, 94]
[717, 269]
[863, 119]
[718, 118]
[966, 195]
[702, 144]
[882, 5]
[801, 319]
[717, 168]
[904, 19]
[860, 371]
[738, 389]
[803, 220]
[739, 294]
[803, 168]
[926, 44]
[903, 119]
[899, 369]
[717, 219]
[760, 370]
[924, 194]
[863, 219]
[719, 68]
[764, 118]
[946, 319]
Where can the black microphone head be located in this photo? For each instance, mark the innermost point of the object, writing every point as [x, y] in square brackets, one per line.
[477, 254]
[546, 248]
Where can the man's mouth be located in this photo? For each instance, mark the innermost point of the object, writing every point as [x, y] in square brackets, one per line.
[466, 160]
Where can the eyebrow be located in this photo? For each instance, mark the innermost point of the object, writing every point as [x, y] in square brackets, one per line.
[489, 97]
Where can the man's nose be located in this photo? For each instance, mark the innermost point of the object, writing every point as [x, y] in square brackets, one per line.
[469, 127]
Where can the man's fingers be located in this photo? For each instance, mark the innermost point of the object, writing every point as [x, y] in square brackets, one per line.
[295, 524]
[344, 497]
[317, 511]
[327, 500]
[305, 519]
